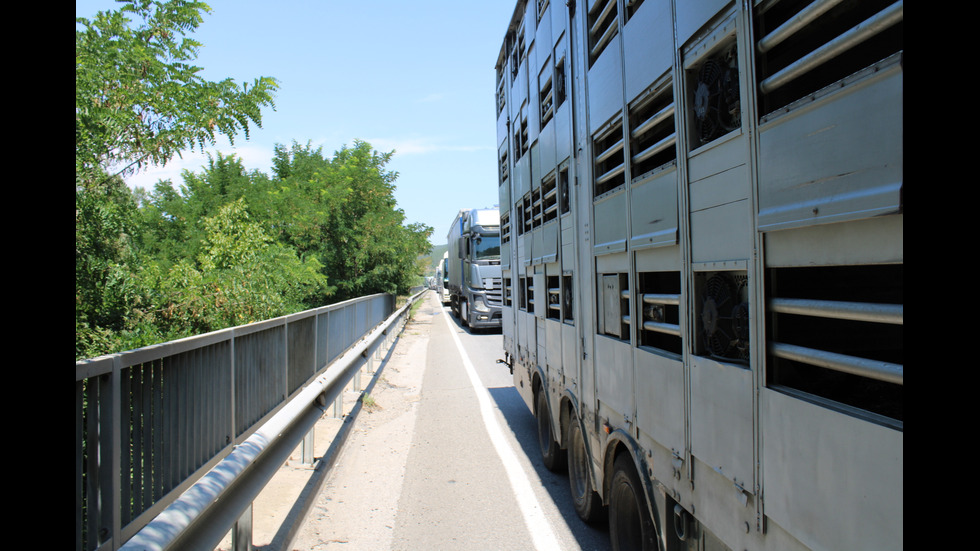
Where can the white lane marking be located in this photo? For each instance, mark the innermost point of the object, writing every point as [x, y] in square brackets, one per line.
[537, 523]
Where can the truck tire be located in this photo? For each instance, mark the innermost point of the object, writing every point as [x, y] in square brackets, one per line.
[630, 525]
[588, 504]
[551, 452]
[464, 314]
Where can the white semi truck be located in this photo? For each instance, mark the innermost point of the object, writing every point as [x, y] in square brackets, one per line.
[475, 294]
[701, 208]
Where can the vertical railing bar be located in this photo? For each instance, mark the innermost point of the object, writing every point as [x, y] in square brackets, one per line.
[92, 445]
[149, 423]
[287, 345]
[246, 360]
[156, 455]
[239, 387]
[79, 465]
[244, 386]
[207, 415]
[168, 420]
[201, 427]
[193, 411]
[190, 407]
[216, 411]
[130, 430]
[182, 422]
[136, 444]
[199, 433]
[232, 388]
[208, 382]
[173, 386]
[218, 396]
[109, 458]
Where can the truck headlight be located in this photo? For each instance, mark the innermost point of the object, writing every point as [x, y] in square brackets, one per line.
[479, 305]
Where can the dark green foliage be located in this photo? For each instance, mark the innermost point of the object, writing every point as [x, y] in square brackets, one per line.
[106, 263]
[230, 247]
[343, 212]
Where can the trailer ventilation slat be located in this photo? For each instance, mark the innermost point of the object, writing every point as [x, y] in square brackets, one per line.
[609, 164]
[653, 136]
[799, 39]
[603, 25]
[835, 334]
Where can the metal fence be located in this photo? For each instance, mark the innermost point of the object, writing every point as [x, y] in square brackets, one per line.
[151, 422]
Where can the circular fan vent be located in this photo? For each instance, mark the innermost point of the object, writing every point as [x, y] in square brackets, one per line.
[716, 96]
[724, 317]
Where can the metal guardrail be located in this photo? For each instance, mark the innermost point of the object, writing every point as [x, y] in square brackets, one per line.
[163, 432]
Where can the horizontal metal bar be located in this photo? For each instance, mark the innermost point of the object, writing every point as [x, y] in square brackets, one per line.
[666, 328]
[795, 23]
[658, 117]
[863, 367]
[610, 174]
[610, 151]
[859, 311]
[653, 298]
[655, 148]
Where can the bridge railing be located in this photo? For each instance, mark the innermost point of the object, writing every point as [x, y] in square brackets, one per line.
[151, 422]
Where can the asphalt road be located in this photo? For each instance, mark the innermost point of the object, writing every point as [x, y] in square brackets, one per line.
[442, 454]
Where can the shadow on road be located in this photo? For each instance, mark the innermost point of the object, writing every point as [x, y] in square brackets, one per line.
[521, 422]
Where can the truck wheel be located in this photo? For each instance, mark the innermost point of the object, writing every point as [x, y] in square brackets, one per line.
[630, 526]
[588, 504]
[464, 314]
[550, 450]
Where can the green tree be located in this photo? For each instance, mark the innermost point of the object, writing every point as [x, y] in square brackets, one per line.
[107, 266]
[173, 217]
[139, 100]
[343, 211]
[241, 275]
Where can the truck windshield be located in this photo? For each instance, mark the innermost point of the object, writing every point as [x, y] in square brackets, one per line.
[487, 247]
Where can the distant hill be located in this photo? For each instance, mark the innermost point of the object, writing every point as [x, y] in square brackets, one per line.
[434, 257]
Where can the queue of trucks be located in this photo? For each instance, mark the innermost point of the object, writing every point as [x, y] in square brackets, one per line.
[699, 250]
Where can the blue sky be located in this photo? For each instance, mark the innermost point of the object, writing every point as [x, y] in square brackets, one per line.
[413, 76]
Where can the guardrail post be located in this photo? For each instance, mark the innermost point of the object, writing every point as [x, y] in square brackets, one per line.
[241, 533]
[308, 447]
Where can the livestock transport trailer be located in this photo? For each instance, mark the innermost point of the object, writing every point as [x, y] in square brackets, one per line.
[701, 213]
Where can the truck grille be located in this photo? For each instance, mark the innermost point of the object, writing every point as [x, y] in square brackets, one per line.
[495, 294]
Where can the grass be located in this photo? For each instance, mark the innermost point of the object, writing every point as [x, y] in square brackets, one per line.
[414, 308]
[369, 402]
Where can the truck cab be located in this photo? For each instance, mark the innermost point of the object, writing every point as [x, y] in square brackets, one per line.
[475, 291]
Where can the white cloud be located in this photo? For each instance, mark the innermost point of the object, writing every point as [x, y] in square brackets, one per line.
[419, 146]
[432, 98]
